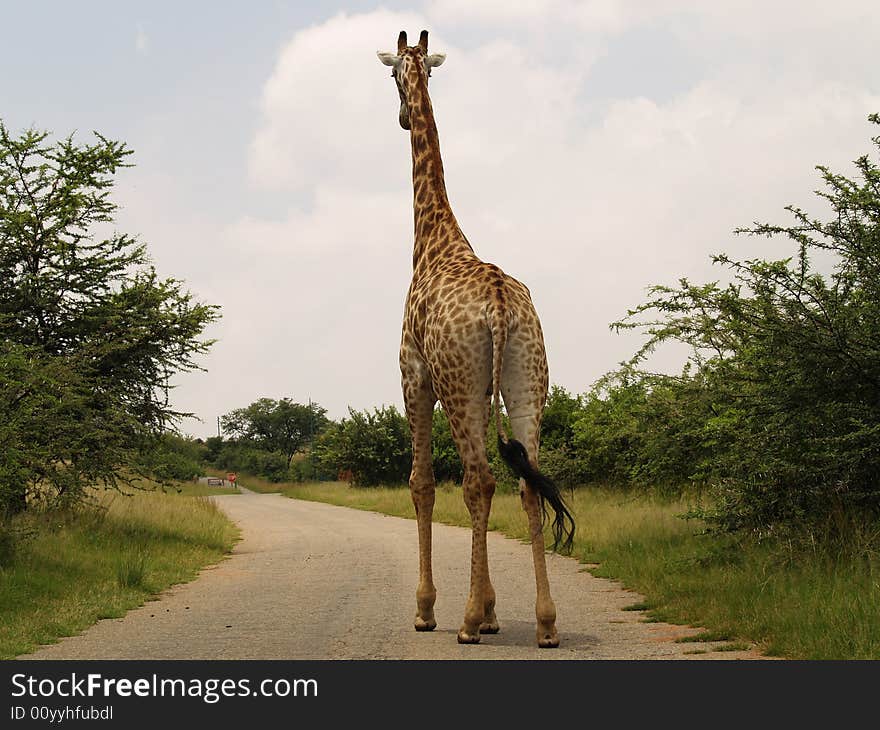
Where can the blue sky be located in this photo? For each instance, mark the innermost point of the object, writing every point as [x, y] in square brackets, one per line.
[591, 149]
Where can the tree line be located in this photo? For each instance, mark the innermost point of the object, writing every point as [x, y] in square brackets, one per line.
[775, 416]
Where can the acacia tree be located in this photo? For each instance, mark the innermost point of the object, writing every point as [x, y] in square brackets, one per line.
[90, 335]
[279, 426]
[790, 359]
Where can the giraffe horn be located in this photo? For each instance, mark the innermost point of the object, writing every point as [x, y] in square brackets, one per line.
[401, 42]
[423, 40]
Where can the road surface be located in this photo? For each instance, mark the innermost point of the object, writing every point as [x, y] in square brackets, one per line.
[314, 581]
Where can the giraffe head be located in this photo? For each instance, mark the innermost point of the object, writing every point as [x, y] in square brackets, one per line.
[408, 65]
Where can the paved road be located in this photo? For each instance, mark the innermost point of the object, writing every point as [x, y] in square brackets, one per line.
[313, 581]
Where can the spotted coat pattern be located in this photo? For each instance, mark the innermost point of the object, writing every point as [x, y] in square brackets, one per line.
[470, 332]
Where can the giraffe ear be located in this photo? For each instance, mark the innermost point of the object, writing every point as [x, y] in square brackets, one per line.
[389, 59]
[435, 59]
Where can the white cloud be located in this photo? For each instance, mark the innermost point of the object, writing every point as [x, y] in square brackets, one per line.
[322, 111]
[141, 41]
[592, 16]
[588, 204]
[313, 313]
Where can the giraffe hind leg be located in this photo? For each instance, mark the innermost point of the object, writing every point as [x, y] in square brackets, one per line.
[468, 427]
[524, 397]
[525, 430]
[479, 616]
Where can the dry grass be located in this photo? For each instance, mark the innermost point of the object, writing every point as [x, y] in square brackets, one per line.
[192, 489]
[602, 516]
[76, 567]
[811, 600]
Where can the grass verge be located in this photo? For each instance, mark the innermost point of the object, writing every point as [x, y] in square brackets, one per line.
[191, 489]
[71, 569]
[795, 600]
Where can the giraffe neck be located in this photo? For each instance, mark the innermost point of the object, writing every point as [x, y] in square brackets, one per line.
[436, 230]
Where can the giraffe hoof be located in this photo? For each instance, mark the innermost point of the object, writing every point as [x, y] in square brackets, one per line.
[490, 628]
[465, 638]
[548, 641]
[425, 625]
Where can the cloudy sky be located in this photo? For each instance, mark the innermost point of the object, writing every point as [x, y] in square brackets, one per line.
[591, 149]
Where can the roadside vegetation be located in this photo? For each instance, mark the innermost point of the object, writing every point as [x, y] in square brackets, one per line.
[805, 600]
[91, 337]
[190, 489]
[66, 569]
[90, 334]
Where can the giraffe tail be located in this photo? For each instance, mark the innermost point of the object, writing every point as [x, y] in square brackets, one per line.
[498, 326]
[514, 453]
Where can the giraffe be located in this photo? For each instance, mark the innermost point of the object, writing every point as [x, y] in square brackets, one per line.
[470, 334]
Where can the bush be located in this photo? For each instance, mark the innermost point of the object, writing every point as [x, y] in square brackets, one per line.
[786, 364]
[240, 456]
[8, 543]
[308, 468]
[375, 447]
[444, 455]
[176, 458]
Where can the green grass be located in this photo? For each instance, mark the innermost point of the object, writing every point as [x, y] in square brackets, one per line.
[794, 600]
[703, 636]
[67, 570]
[131, 569]
[735, 646]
